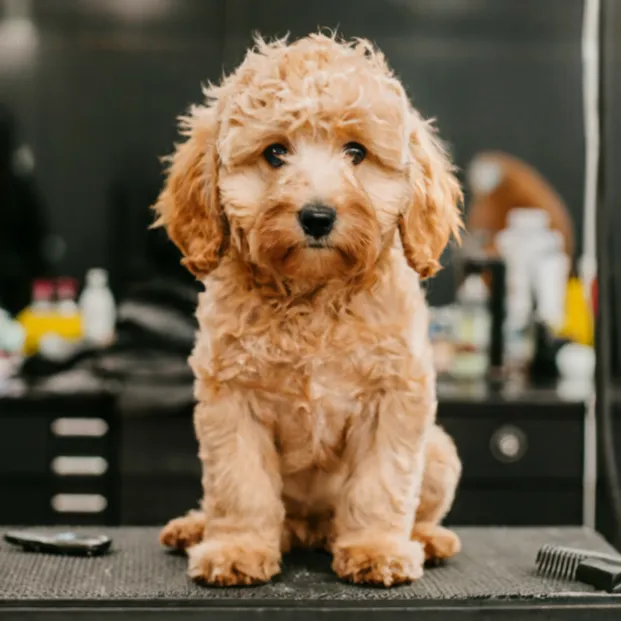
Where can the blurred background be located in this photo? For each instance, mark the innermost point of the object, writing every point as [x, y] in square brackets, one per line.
[95, 394]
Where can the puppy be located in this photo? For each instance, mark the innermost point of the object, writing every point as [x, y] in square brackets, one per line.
[310, 198]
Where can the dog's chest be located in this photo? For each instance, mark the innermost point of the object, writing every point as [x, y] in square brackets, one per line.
[311, 391]
[310, 376]
[311, 428]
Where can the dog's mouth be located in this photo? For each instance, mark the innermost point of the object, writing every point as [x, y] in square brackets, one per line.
[319, 244]
[314, 245]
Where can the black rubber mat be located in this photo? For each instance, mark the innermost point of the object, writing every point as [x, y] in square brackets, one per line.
[495, 563]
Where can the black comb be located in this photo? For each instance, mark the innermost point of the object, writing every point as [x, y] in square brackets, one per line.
[601, 570]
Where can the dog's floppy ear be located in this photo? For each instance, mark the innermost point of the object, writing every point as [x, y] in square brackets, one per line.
[189, 205]
[433, 216]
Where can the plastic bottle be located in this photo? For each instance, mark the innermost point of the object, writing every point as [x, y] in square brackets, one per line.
[12, 334]
[37, 318]
[550, 285]
[68, 323]
[441, 327]
[523, 244]
[472, 330]
[64, 334]
[98, 309]
[578, 321]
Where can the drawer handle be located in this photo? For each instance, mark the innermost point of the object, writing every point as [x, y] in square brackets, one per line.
[509, 443]
[79, 503]
[66, 465]
[82, 427]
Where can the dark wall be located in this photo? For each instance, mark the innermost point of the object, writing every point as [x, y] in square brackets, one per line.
[611, 187]
[99, 100]
[98, 106]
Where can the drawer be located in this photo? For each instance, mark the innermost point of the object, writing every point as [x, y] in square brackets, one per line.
[529, 505]
[56, 500]
[25, 502]
[159, 446]
[24, 445]
[155, 500]
[32, 444]
[515, 447]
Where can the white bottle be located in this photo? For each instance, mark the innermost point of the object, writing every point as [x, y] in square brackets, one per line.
[472, 330]
[524, 245]
[551, 288]
[98, 309]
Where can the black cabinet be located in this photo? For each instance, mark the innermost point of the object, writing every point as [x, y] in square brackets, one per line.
[523, 454]
[58, 461]
[526, 456]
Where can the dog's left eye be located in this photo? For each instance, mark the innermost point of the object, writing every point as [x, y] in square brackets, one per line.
[356, 151]
[273, 155]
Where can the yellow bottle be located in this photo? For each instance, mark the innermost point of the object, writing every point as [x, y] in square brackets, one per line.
[37, 318]
[578, 325]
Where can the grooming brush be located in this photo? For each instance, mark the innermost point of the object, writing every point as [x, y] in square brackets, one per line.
[598, 569]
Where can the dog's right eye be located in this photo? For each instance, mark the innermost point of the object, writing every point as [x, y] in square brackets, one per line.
[273, 155]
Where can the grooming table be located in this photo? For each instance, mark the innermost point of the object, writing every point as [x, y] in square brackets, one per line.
[493, 578]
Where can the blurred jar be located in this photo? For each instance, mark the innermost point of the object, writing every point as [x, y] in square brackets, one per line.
[98, 309]
[441, 323]
[471, 330]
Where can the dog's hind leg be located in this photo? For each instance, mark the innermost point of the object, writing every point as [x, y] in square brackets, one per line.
[183, 532]
[440, 480]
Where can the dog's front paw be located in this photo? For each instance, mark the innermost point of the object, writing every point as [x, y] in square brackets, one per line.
[382, 561]
[233, 562]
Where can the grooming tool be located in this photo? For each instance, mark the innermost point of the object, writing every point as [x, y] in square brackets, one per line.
[60, 543]
[603, 575]
[599, 569]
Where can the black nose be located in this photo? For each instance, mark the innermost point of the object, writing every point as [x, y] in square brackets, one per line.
[317, 220]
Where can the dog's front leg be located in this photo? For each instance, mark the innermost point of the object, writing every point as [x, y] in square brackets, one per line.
[242, 495]
[374, 515]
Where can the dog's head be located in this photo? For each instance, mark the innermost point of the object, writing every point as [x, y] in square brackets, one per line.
[304, 163]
